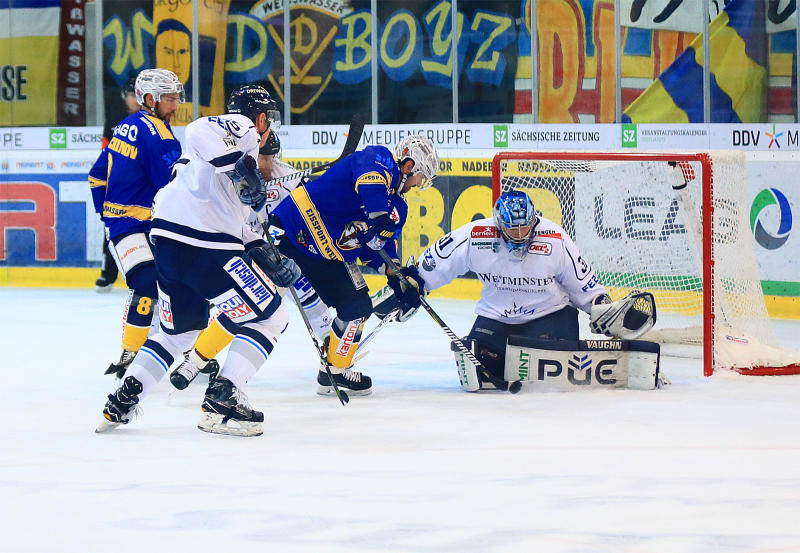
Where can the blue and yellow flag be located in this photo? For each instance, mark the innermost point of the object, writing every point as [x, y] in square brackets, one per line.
[29, 61]
[738, 42]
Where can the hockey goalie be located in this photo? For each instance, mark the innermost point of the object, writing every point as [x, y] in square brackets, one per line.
[534, 282]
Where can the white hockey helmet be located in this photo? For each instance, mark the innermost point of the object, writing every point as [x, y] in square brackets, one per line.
[157, 82]
[420, 150]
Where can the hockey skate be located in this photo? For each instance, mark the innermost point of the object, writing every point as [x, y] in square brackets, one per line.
[118, 369]
[188, 370]
[122, 405]
[104, 284]
[227, 411]
[353, 382]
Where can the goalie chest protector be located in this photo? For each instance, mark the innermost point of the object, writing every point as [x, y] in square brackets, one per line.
[580, 364]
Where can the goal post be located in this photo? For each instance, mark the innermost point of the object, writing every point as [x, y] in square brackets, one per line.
[674, 224]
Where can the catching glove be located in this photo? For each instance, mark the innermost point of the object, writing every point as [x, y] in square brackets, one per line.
[379, 230]
[249, 185]
[280, 269]
[408, 296]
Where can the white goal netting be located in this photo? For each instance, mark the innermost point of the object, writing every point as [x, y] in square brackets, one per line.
[639, 232]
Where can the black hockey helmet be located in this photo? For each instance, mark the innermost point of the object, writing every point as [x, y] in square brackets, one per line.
[250, 100]
[128, 88]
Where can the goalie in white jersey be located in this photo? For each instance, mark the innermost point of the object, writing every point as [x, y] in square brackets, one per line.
[534, 281]
[206, 252]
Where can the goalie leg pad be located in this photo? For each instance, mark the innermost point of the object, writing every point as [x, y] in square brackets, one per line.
[572, 365]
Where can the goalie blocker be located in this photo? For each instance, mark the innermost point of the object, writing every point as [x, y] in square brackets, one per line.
[573, 364]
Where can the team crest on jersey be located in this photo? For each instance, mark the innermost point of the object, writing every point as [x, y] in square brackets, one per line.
[395, 216]
[482, 231]
[540, 248]
[349, 238]
[316, 24]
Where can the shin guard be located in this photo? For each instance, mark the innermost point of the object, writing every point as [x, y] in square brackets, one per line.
[345, 336]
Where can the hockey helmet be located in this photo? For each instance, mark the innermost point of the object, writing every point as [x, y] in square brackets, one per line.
[157, 82]
[250, 100]
[515, 217]
[420, 150]
[128, 88]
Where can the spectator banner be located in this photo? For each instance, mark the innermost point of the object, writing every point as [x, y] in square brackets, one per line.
[172, 23]
[738, 45]
[28, 62]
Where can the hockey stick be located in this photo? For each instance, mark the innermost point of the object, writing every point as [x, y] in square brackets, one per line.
[391, 317]
[353, 138]
[341, 394]
[455, 340]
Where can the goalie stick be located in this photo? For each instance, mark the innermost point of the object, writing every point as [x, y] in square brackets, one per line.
[455, 340]
[354, 133]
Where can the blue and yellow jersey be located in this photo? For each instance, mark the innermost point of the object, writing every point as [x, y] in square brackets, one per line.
[135, 164]
[322, 217]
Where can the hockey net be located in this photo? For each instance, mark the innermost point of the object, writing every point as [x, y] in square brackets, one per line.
[645, 222]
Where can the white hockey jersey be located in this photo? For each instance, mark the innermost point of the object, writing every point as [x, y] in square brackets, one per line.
[551, 275]
[200, 205]
[276, 193]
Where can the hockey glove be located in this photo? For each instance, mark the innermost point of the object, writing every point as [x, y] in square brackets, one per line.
[281, 270]
[247, 178]
[408, 296]
[380, 228]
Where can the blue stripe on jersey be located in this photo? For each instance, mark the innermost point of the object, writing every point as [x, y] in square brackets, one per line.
[227, 159]
[189, 232]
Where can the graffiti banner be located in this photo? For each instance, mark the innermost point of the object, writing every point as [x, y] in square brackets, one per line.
[172, 23]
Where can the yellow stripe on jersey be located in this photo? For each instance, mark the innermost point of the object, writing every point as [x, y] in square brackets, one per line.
[162, 129]
[132, 211]
[373, 177]
[311, 216]
[94, 183]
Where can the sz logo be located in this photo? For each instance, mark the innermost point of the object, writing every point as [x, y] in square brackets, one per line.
[771, 209]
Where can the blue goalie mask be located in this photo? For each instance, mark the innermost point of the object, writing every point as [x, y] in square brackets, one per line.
[516, 218]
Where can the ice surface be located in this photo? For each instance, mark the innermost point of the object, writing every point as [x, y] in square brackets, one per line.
[704, 465]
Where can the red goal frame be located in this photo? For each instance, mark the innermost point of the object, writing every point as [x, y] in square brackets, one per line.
[707, 208]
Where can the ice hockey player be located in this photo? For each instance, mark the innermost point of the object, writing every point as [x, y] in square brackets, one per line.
[323, 225]
[200, 232]
[108, 270]
[533, 278]
[135, 165]
[219, 332]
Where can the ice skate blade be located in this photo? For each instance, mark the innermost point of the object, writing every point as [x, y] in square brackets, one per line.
[104, 289]
[212, 423]
[329, 391]
[105, 426]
